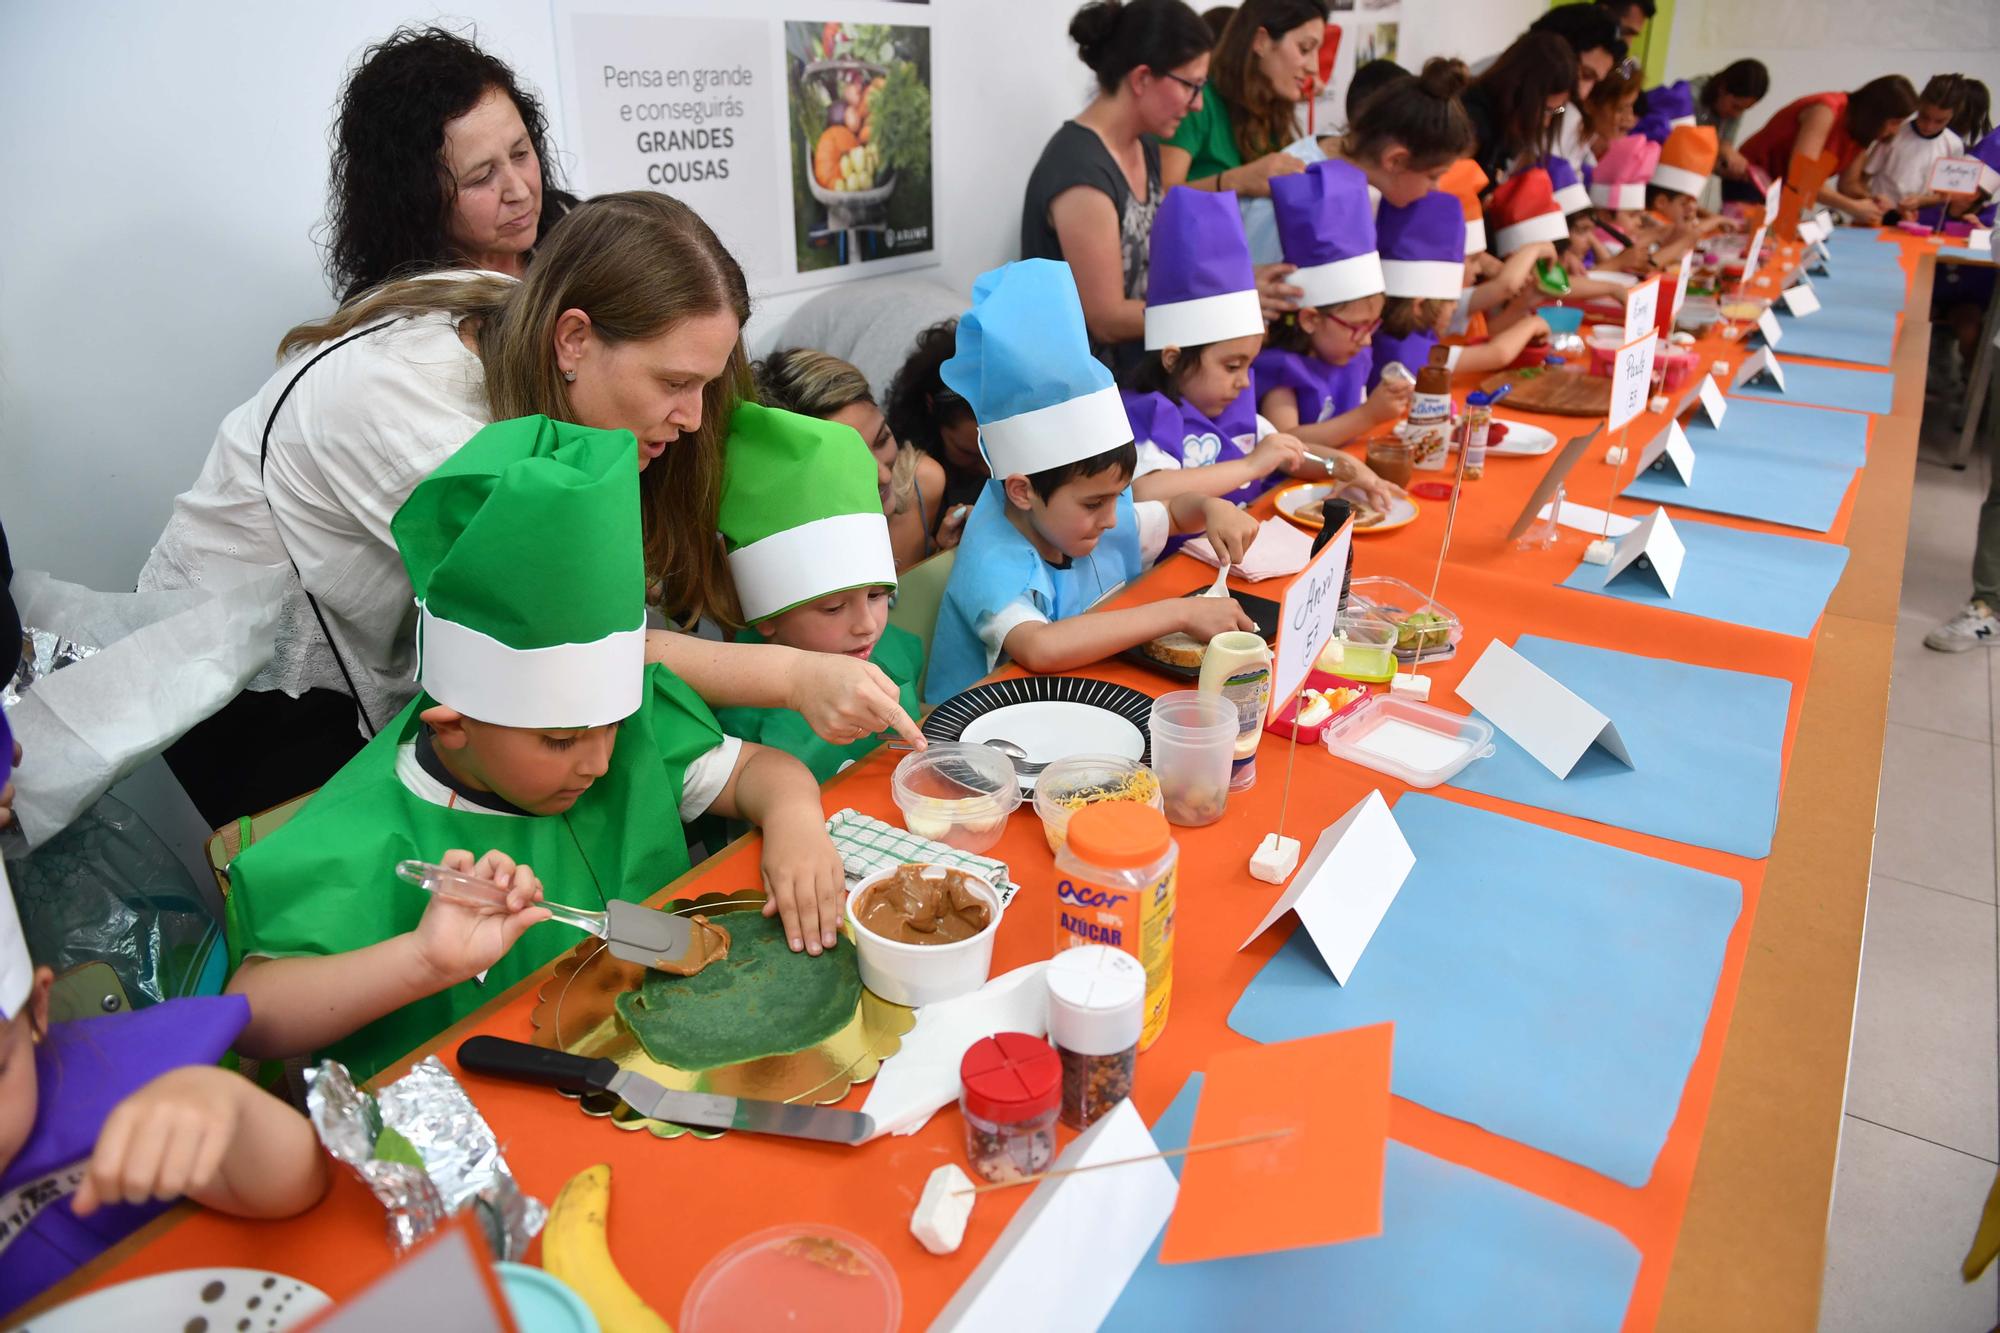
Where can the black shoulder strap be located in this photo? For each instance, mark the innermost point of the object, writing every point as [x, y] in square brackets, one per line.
[263, 452]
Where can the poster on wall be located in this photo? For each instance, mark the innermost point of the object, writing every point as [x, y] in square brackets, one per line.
[1363, 30]
[860, 131]
[805, 144]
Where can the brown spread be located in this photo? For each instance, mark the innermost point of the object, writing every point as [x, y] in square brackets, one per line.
[924, 905]
[709, 945]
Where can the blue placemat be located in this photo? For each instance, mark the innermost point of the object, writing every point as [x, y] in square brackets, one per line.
[1543, 986]
[1860, 241]
[1758, 579]
[1705, 744]
[1965, 252]
[1783, 429]
[1865, 337]
[1458, 1251]
[1824, 386]
[1735, 479]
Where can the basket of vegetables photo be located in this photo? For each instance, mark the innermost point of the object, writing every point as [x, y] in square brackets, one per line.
[861, 136]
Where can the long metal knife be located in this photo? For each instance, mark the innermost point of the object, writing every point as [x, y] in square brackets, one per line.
[703, 1110]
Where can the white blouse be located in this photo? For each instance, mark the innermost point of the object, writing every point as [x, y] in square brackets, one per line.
[352, 440]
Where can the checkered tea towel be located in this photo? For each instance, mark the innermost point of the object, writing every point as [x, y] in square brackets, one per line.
[867, 845]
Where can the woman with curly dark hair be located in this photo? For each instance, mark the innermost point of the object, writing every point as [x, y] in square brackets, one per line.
[921, 410]
[440, 160]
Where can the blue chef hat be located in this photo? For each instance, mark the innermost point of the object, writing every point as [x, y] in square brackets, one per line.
[1200, 287]
[1326, 227]
[1024, 364]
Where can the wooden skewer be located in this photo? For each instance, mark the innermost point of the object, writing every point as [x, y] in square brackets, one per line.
[1128, 1161]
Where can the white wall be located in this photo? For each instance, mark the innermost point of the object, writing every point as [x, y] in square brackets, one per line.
[1468, 29]
[1813, 46]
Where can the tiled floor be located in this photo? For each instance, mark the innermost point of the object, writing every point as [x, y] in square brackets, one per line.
[1921, 1140]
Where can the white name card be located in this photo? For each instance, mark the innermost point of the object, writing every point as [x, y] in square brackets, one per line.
[1653, 548]
[1344, 889]
[1767, 324]
[1956, 175]
[1712, 401]
[1981, 239]
[1631, 380]
[1763, 364]
[1801, 300]
[1642, 308]
[1750, 255]
[1670, 453]
[1538, 712]
[1306, 619]
[1680, 284]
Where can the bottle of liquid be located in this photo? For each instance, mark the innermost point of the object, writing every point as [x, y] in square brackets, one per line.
[1115, 880]
[1478, 421]
[1430, 412]
[1237, 666]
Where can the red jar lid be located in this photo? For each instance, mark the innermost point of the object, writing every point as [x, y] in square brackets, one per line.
[1010, 1077]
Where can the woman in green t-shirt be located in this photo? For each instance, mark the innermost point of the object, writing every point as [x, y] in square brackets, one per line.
[1264, 65]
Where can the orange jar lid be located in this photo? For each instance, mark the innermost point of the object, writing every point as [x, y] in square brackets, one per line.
[1119, 834]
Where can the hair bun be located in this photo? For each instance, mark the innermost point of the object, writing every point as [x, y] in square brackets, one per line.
[1444, 77]
[1094, 25]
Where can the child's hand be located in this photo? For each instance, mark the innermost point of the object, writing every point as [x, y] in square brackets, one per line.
[1205, 617]
[165, 1140]
[804, 882]
[1278, 452]
[952, 526]
[458, 943]
[1230, 530]
[1390, 401]
[1537, 327]
[1376, 490]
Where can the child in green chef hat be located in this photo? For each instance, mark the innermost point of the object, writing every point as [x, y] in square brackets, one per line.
[540, 737]
[810, 554]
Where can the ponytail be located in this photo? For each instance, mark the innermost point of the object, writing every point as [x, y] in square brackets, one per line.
[1421, 113]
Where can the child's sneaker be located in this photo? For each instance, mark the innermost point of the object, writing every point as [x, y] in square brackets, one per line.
[1970, 628]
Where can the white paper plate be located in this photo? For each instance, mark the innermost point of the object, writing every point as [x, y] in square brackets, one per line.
[217, 1299]
[1050, 731]
[1523, 440]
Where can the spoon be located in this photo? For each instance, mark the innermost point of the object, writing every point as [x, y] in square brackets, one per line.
[1022, 764]
[1219, 588]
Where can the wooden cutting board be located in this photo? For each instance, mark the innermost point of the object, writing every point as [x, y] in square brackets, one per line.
[1558, 392]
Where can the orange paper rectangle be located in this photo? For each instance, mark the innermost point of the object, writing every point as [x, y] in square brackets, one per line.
[1319, 1185]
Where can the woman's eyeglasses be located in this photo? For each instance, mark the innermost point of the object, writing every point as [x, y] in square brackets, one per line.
[1194, 89]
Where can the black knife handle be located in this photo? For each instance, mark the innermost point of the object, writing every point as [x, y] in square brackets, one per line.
[534, 1064]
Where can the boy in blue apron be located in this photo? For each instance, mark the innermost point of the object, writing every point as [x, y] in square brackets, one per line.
[1056, 530]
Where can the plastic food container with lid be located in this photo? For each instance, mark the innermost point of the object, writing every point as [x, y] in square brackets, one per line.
[1097, 1004]
[1363, 647]
[1067, 785]
[919, 974]
[1422, 745]
[956, 794]
[1010, 1087]
[800, 1275]
[1116, 879]
[1436, 629]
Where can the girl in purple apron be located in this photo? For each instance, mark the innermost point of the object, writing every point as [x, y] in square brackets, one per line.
[1311, 378]
[106, 1121]
[1190, 403]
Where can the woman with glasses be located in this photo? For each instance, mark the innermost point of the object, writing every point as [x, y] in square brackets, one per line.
[1517, 107]
[1092, 195]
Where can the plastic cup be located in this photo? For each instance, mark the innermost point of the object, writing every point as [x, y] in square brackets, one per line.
[1194, 740]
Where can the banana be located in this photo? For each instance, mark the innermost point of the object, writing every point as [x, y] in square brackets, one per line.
[576, 1251]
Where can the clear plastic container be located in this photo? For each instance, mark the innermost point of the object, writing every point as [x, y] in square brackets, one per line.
[1067, 785]
[1413, 741]
[1363, 647]
[1194, 738]
[1010, 1090]
[1420, 623]
[795, 1276]
[956, 794]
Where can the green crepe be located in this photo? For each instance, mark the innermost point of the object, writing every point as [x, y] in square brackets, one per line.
[761, 1000]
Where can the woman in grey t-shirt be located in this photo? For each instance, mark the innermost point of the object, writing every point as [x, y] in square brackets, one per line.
[1091, 197]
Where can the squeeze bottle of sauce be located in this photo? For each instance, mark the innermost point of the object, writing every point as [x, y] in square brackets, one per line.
[1115, 880]
[1430, 412]
[1237, 666]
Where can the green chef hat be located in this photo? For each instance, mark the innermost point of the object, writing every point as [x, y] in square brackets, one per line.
[801, 511]
[525, 553]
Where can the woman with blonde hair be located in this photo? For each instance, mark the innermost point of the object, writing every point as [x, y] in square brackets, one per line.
[819, 384]
[630, 318]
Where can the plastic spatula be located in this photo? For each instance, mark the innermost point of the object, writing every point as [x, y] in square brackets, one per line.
[635, 934]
